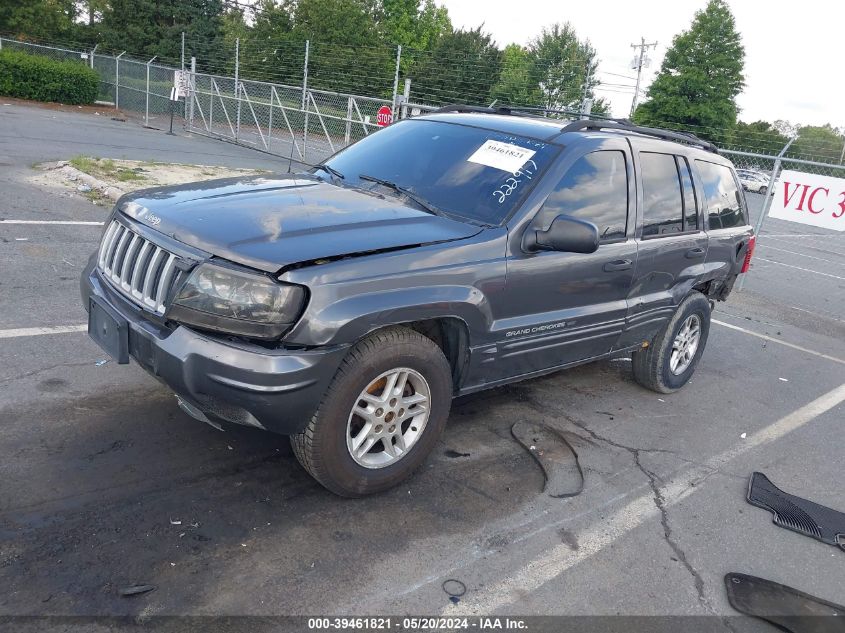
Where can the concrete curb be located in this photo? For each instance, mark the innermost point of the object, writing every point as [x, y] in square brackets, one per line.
[74, 175]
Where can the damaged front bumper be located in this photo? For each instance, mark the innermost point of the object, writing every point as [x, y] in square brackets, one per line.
[217, 378]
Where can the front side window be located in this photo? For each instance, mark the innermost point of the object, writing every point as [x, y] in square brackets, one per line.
[595, 189]
[469, 172]
[722, 196]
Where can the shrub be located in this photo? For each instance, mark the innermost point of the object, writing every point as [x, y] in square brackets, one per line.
[43, 79]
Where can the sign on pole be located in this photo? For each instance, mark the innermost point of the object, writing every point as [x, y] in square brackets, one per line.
[810, 199]
[180, 85]
[385, 116]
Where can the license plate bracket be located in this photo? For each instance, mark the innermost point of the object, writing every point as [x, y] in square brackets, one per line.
[109, 330]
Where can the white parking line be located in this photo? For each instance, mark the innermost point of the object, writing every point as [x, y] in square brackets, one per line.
[783, 250]
[806, 270]
[560, 558]
[778, 341]
[40, 331]
[73, 222]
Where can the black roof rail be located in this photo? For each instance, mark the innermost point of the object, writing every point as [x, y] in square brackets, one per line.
[625, 125]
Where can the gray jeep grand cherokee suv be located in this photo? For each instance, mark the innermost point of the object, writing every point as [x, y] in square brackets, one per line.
[440, 256]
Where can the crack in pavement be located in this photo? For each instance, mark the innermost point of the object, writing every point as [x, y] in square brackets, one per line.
[35, 372]
[659, 500]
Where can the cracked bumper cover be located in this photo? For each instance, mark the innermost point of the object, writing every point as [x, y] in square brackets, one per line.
[277, 390]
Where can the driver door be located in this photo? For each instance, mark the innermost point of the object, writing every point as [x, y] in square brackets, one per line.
[561, 308]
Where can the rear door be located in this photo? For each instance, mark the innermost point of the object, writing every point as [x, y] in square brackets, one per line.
[726, 219]
[672, 241]
[560, 308]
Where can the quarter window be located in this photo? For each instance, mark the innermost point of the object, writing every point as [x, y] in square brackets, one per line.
[724, 206]
[595, 189]
[663, 206]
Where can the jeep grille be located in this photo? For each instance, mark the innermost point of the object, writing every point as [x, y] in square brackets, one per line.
[140, 270]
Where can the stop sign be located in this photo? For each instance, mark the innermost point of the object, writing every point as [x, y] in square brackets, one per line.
[385, 116]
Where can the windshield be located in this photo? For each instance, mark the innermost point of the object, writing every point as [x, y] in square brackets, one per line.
[473, 173]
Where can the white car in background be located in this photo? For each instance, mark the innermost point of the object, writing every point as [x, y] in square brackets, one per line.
[753, 180]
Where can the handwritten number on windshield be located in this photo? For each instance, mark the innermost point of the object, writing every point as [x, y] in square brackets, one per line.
[510, 185]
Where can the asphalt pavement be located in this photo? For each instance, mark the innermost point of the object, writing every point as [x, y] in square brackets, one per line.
[106, 483]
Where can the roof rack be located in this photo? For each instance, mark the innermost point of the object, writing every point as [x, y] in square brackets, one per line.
[625, 125]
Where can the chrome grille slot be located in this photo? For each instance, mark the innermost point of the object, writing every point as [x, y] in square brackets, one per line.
[138, 268]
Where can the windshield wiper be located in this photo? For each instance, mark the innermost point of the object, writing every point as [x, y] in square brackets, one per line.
[330, 170]
[424, 204]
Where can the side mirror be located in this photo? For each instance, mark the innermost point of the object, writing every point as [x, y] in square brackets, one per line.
[566, 234]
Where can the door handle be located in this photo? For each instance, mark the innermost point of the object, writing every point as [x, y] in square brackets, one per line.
[694, 252]
[619, 264]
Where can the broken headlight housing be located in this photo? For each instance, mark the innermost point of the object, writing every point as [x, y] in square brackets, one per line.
[239, 302]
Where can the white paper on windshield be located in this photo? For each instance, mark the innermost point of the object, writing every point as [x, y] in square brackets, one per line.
[502, 156]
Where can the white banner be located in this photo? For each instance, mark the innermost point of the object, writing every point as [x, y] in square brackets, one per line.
[181, 85]
[810, 199]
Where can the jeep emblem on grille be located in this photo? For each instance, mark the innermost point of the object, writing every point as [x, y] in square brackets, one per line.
[153, 219]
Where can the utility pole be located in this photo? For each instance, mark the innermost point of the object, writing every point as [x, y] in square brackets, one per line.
[637, 64]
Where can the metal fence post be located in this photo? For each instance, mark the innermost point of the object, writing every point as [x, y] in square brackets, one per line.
[769, 197]
[407, 95]
[396, 78]
[1, 43]
[192, 86]
[183, 51]
[349, 106]
[147, 103]
[117, 80]
[237, 86]
[93, 50]
[305, 99]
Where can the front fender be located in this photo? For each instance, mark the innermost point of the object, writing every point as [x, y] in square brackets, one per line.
[349, 319]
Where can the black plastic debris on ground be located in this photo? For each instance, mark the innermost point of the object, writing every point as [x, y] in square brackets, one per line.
[135, 590]
[797, 514]
[555, 455]
[783, 606]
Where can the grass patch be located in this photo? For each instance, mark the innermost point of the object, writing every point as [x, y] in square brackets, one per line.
[106, 168]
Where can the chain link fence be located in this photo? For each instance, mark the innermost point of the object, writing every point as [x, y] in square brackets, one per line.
[297, 99]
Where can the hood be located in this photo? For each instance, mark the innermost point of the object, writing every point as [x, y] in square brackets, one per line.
[269, 222]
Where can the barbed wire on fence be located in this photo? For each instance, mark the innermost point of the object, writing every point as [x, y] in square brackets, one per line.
[283, 105]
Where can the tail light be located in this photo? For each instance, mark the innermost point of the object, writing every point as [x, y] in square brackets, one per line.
[747, 263]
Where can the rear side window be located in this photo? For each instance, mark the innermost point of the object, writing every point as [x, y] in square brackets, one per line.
[724, 206]
[595, 189]
[663, 205]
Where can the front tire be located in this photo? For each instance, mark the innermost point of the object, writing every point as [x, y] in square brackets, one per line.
[381, 416]
[670, 360]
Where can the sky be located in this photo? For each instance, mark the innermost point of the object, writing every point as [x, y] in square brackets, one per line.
[794, 66]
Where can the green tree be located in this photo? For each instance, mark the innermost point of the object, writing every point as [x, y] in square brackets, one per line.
[41, 19]
[154, 27]
[759, 137]
[700, 77]
[462, 67]
[413, 24]
[821, 143]
[517, 85]
[561, 63]
[346, 51]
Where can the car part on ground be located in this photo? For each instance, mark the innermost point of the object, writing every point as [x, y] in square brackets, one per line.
[783, 606]
[797, 514]
[668, 362]
[556, 456]
[382, 414]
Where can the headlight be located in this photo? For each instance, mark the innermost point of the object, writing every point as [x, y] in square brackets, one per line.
[237, 302]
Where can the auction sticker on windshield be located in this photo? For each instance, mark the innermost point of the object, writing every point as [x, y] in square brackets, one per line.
[504, 156]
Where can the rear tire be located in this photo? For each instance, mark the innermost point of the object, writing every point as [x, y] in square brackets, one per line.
[670, 360]
[393, 391]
